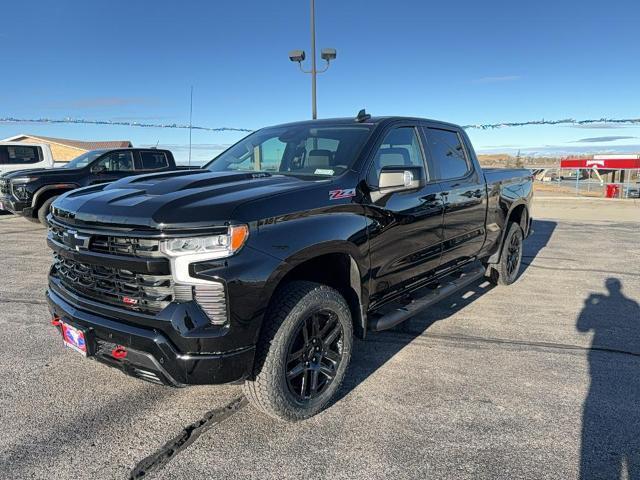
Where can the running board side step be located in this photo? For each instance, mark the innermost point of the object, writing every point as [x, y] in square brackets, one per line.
[445, 289]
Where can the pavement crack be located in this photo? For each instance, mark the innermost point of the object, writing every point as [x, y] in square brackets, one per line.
[468, 338]
[189, 434]
[23, 300]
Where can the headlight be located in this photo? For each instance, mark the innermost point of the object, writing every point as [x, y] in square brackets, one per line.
[20, 191]
[219, 246]
[23, 179]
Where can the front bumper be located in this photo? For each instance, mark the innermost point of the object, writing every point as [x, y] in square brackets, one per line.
[17, 207]
[151, 355]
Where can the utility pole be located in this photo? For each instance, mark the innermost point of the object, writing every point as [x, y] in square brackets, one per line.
[314, 70]
[190, 122]
[327, 55]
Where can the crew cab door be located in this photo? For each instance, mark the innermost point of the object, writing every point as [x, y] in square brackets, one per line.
[405, 236]
[111, 166]
[151, 161]
[463, 194]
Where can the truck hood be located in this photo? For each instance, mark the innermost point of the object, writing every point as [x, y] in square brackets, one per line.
[41, 172]
[169, 200]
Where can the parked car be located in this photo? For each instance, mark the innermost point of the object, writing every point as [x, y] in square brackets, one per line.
[262, 267]
[550, 176]
[20, 156]
[631, 191]
[30, 193]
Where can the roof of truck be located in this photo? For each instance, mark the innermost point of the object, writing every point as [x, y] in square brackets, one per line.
[370, 121]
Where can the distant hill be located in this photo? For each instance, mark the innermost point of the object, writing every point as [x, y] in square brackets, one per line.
[510, 161]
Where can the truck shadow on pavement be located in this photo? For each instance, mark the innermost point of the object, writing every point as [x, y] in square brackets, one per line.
[380, 347]
[611, 418]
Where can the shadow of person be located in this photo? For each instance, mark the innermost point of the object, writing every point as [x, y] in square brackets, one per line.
[611, 414]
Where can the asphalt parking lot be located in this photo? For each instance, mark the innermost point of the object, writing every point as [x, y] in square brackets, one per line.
[537, 380]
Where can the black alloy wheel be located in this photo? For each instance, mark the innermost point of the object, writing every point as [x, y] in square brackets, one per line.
[513, 255]
[314, 355]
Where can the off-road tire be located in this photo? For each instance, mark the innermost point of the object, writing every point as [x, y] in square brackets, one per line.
[501, 273]
[266, 388]
[43, 211]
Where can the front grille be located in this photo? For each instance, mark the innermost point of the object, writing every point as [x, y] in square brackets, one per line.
[124, 288]
[136, 291]
[5, 187]
[125, 246]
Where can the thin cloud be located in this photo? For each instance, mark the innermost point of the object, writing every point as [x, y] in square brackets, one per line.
[500, 79]
[597, 126]
[612, 138]
[139, 119]
[102, 102]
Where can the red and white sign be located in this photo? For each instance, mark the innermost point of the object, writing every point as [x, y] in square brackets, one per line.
[604, 162]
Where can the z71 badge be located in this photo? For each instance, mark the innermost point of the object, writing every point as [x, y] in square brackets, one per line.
[338, 194]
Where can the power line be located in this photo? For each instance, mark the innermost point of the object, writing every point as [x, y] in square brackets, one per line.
[83, 121]
[485, 126]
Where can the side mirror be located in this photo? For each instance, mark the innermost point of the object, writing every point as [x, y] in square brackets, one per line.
[97, 169]
[400, 178]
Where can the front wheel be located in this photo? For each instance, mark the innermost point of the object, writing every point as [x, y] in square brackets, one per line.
[303, 352]
[506, 270]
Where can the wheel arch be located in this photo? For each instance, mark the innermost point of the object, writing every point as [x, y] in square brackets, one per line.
[335, 264]
[519, 213]
[45, 193]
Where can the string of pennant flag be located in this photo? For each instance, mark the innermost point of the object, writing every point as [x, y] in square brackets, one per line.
[480, 126]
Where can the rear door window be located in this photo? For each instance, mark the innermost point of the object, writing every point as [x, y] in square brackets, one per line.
[153, 160]
[448, 153]
[116, 161]
[19, 155]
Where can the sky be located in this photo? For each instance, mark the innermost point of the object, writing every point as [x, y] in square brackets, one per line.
[466, 62]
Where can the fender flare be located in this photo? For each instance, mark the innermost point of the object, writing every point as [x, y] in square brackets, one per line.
[496, 256]
[357, 265]
[48, 188]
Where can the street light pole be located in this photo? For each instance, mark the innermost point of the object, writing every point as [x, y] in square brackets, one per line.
[327, 55]
[314, 70]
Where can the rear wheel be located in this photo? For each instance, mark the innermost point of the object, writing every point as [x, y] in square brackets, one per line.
[506, 270]
[303, 353]
[43, 211]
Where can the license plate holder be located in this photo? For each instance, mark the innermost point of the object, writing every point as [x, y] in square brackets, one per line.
[75, 338]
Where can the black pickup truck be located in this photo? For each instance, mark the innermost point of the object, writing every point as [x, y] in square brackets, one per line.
[262, 268]
[30, 193]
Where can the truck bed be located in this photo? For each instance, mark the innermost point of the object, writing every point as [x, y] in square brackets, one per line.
[502, 175]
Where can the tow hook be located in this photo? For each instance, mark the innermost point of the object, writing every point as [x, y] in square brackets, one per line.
[119, 352]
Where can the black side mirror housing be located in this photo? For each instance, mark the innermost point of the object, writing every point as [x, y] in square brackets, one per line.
[399, 178]
[97, 169]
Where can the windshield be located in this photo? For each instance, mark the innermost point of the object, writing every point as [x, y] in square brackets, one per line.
[84, 159]
[317, 151]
